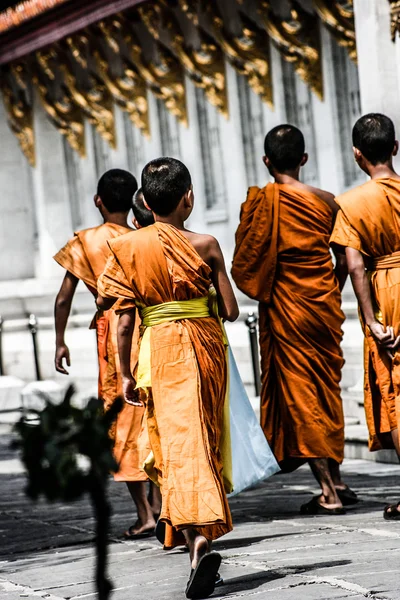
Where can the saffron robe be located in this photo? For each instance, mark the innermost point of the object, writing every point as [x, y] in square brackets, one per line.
[282, 259]
[85, 256]
[369, 221]
[153, 266]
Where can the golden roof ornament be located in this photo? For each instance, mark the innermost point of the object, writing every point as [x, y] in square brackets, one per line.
[164, 77]
[394, 18]
[205, 65]
[60, 107]
[127, 88]
[298, 40]
[339, 19]
[14, 87]
[248, 52]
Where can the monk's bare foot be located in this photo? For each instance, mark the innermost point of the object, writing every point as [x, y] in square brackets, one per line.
[200, 548]
[327, 502]
[139, 529]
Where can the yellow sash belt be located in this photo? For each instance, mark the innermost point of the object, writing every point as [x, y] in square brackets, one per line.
[197, 308]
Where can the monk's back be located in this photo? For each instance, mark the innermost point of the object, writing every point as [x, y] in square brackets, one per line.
[373, 210]
[305, 224]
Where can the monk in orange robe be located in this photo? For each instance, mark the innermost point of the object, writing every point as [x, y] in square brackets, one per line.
[84, 258]
[282, 259]
[368, 230]
[166, 271]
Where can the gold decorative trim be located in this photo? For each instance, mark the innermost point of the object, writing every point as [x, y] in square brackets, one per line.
[165, 77]
[249, 52]
[62, 111]
[298, 40]
[128, 88]
[205, 66]
[14, 88]
[394, 18]
[340, 22]
[94, 99]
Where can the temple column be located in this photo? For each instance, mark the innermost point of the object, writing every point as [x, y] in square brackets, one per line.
[377, 60]
[16, 207]
[50, 185]
[325, 123]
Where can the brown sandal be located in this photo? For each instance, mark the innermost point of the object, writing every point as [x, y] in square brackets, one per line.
[391, 512]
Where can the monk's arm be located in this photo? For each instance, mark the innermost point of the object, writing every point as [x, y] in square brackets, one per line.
[383, 335]
[62, 308]
[105, 303]
[228, 306]
[126, 326]
[341, 269]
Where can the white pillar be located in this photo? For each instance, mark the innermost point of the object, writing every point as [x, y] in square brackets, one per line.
[377, 68]
[88, 179]
[51, 194]
[325, 123]
[16, 207]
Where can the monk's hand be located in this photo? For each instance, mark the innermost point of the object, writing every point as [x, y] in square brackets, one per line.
[385, 337]
[62, 352]
[131, 395]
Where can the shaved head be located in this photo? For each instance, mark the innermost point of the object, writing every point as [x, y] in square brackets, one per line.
[284, 146]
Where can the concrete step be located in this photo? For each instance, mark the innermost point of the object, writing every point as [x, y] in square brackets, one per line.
[356, 446]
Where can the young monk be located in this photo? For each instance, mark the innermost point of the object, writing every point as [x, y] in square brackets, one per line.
[167, 272]
[84, 258]
[142, 216]
[367, 229]
[282, 259]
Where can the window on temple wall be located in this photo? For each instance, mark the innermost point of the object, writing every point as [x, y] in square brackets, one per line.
[349, 110]
[212, 159]
[298, 103]
[74, 184]
[134, 145]
[101, 154]
[169, 131]
[253, 132]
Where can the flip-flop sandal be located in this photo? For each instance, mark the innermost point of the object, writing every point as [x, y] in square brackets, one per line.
[347, 496]
[391, 512]
[315, 508]
[138, 536]
[202, 579]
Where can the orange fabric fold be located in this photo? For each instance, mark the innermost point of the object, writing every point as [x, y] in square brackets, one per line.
[85, 256]
[188, 373]
[291, 275]
[369, 221]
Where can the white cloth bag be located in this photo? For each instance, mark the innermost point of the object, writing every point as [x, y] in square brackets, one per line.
[252, 458]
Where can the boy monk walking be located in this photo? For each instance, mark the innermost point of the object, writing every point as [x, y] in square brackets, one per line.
[84, 258]
[166, 271]
[368, 230]
[282, 259]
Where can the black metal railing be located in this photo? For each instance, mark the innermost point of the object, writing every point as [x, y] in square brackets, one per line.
[251, 323]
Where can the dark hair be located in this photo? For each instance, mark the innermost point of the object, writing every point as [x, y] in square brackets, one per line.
[116, 189]
[284, 146]
[143, 215]
[374, 137]
[164, 182]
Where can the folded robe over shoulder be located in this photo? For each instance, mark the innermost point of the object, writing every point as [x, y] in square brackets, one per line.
[85, 256]
[369, 221]
[188, 374]
[282, 259]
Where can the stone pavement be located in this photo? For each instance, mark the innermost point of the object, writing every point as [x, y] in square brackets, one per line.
[273, 552]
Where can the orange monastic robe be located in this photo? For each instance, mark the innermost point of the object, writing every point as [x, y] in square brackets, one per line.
[369, 221]
[153, 266]
[85, 256]
[282, 259]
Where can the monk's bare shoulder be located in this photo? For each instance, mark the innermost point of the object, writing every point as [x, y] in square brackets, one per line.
[327, 197]
[206, 245]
